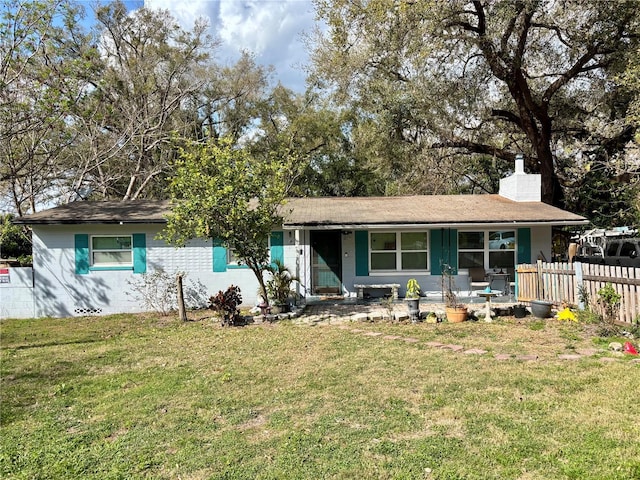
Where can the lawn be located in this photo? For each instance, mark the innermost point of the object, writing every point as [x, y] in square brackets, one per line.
[125, 397]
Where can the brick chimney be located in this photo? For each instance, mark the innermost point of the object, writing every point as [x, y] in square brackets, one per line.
[521, 186]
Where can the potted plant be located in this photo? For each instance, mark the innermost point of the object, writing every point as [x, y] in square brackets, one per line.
[456, 312]
[412, 298]
[279, 286]
[519, 310]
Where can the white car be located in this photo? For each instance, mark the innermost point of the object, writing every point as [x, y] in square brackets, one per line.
[502, 240]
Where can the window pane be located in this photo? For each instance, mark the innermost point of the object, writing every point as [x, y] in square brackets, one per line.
[503, 240]
[414, 261]
[470, 240]
[232, 259]
[500, 259]
[112, 258]
[383, 261]
[111, 243]
[627, 249]
[413, 240]
[383, 241]
[470, 259]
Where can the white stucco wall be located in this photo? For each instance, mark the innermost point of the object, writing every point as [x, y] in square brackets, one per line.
[541, 243]
[59, 291]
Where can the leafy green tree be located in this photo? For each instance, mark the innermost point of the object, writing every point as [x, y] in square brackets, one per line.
[435, 85]
[319, 134]
[220, 192]
[15, 242]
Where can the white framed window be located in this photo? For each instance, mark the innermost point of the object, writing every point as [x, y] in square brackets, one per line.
[234, 261]
[111, 251]
[489, 249]
[399, 251]
[232, 258]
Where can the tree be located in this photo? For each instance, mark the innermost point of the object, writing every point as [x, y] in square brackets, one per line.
[220, 192]
[443, 83]
[307, 124]
[148, 71]
[15, 242]
[45, 56]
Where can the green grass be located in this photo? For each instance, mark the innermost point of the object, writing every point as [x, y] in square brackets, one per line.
[139, 397]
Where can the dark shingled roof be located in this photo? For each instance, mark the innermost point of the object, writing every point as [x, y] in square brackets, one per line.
[341, 212]
[126, 211]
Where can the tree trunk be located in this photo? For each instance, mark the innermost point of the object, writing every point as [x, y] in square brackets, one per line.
[257, 271]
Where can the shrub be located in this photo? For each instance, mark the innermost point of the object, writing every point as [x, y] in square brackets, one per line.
[226, 305]
[158, 292]
[609, 302]
[279, 285]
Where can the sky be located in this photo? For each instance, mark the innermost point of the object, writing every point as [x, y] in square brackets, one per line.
[271, 29]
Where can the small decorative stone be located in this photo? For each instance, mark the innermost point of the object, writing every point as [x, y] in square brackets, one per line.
[475, 351]
[359, 317]
[455, 348]
[503, 356]
[392, 337]
[615, 346]
[434, 344]
[527, 358]
[372, 334]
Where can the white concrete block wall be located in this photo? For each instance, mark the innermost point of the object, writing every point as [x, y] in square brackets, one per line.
[59, 291]
[16, 296]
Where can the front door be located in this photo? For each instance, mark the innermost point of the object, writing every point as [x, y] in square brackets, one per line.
[326, 262]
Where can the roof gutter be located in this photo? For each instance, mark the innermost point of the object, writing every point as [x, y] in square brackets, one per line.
[374, 226]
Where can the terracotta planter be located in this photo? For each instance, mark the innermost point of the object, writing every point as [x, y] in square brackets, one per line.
[456, 314]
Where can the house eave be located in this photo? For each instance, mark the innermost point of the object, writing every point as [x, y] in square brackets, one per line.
[470, 224]
[90, 222]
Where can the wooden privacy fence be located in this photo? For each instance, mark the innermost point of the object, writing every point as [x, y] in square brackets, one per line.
[571, 283]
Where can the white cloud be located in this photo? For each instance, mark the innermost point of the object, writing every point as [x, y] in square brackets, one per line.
[270, 29]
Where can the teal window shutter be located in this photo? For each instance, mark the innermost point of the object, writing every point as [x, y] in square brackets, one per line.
[524, 245]
[277, 246]
[82, 253]
[436, 247]
[219, 256]
[139, 253]
[452, 250]
[362, 253]
[444, 250]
